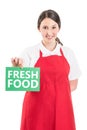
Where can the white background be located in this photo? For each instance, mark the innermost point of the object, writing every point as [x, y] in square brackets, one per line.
[18, 29]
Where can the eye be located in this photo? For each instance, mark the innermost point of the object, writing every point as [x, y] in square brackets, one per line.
[45, 27]
[53, 27]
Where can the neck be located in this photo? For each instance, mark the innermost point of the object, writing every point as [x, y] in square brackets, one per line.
[50, 46]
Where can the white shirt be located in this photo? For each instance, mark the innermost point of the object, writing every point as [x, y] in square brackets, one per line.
[31, 54]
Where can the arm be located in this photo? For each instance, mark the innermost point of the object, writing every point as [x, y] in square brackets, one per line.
[73, 84]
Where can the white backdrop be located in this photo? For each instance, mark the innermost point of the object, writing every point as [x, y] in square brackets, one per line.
[18, 29]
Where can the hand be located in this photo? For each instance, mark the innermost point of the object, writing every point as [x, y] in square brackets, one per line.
[17, 62]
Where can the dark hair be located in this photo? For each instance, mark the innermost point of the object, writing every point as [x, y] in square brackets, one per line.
[52, 15]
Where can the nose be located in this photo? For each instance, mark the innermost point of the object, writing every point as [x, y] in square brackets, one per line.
[49, 31]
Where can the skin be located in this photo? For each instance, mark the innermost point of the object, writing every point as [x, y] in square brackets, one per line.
[49, 30]
[73, 84]
[17, 62]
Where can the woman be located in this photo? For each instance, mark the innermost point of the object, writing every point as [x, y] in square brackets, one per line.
[51, 108]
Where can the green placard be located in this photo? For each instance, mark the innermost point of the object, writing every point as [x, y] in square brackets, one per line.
[22, 79]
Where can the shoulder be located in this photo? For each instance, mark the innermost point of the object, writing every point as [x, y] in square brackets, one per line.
[32, 49]
[30, 54]
[70, 55]
[68, 52]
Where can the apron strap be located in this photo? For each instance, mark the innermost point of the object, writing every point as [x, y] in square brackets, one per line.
[61, 51]
[40, 53]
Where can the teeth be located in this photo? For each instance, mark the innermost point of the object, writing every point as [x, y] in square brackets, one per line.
[49, 37]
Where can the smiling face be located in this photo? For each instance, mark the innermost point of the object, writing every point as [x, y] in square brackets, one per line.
[49, 30]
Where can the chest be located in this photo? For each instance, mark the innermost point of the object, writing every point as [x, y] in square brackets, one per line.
[53, 65]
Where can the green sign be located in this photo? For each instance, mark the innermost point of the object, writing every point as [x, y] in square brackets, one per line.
[22, 79]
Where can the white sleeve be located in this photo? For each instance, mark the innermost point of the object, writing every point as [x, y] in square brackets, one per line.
[75, 71]
[30, 55]
[26, 59]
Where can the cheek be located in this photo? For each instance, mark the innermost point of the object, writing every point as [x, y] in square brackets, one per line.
[56, 32]
[43, 33]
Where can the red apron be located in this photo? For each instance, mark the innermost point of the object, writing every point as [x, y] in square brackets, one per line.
[51, 108]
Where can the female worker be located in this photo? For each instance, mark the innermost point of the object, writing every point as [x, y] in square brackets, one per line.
[50, 108]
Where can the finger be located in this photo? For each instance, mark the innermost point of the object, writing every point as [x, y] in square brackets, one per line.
[15, 61]
[20, 63]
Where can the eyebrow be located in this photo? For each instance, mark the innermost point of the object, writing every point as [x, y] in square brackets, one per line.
[52, 25]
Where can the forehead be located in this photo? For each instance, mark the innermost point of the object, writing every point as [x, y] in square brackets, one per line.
[48, 22]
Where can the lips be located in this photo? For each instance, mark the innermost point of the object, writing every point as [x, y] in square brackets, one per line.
[49, 37]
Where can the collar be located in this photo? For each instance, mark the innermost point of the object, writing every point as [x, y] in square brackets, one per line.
[47, 52]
